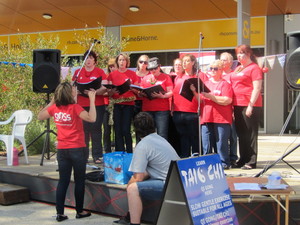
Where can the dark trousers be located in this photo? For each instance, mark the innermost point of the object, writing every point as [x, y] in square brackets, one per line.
[106, 132]
[173, 135]
[161, 120]
[187, 125]
[138, 104]
[93, 132]
[122, 123]
[68, 159]
[247, 132]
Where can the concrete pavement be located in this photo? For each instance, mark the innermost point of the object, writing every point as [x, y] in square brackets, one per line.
[36, 213]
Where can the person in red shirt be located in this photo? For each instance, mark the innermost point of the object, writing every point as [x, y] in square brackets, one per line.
[141, 71]
[92, 131]
[246, 81]
[107, 142]
[159, 106]
[185, 115]
[71, 145]
[216, 114]
[174, 137]
[227, 60]
[123, 103]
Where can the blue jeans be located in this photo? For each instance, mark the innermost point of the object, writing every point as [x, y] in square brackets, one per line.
[151, 189]
[93, 132]
[122, 123]
[68, 159]
[233, 144]
[161, 119]
[187, 125]
[215, 136]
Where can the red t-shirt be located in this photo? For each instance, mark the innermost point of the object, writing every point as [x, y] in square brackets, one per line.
[180, 103]
[139, 82]
[242, 85]
[204, 76]
[226, 76]
[156, 104]
[118, 78]
[212, 112]
[106, 98]
[69, 125]
[87, 76]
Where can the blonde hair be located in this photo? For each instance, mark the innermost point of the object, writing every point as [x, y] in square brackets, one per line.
[111, 61]
[137, 62]
[217, 63]
[228, 55]
[63, 94]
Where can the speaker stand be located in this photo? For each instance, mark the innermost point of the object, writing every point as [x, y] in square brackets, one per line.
[289, 152]
[46, 145]
[280, 159]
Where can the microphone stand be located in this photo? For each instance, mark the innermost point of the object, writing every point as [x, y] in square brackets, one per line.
[95, 41]
[198, 96]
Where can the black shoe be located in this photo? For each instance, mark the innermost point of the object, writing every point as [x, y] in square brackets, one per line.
[82, 215]
[237, 165]
[122, 221]
[60, 217]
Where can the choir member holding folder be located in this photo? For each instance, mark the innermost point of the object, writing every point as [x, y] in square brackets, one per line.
[185, 115]
[156, 102]
[216, 114]
[123, 99]
[88, 78]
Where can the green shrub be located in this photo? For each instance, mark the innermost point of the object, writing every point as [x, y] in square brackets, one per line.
[16, 80]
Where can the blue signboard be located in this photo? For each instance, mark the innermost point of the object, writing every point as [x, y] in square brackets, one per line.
[206, 190]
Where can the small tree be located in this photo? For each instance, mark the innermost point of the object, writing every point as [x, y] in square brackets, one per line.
[109, 46]
[16, 77]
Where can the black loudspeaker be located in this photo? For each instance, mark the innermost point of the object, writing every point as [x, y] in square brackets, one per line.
[46, 70]
[292, 66]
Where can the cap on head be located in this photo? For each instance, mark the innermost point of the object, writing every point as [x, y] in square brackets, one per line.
[153, 63]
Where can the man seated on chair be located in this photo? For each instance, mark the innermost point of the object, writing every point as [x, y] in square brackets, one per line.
[150, 164]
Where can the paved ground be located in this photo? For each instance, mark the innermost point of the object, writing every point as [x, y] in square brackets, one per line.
[35, 213]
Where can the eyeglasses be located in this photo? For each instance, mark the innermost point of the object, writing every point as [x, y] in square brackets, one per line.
[143, 62]
[111, 66]
[214, 68]
[153, 69]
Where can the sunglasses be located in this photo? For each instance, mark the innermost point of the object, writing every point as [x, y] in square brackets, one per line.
[214, 68]
[110, 66]
[153, 69]
[143, 62]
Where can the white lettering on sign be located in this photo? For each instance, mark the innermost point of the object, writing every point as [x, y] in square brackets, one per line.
[193, 176]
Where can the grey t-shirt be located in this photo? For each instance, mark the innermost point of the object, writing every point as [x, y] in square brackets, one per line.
[153, 154]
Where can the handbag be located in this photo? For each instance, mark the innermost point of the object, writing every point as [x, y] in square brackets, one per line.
[116, 165]
[95, 176]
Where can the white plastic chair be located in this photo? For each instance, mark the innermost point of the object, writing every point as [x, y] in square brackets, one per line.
[21, 119]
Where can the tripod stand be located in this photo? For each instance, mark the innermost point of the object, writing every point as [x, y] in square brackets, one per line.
[280, 159]
[47, 131]
[289, 152]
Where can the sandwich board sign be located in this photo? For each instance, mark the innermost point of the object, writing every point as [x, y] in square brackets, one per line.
[197, 193]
